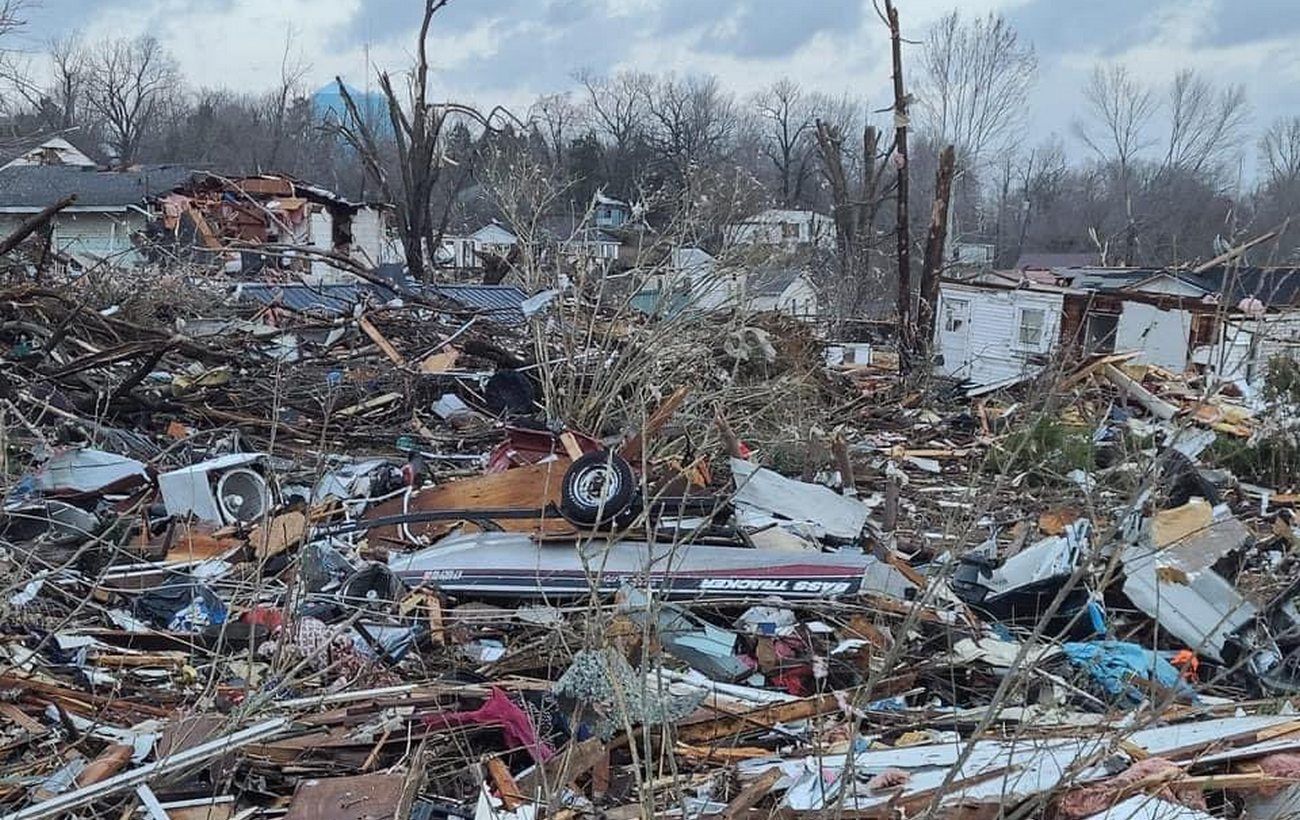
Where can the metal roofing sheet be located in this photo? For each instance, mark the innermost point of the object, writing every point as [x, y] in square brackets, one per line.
[500, 303]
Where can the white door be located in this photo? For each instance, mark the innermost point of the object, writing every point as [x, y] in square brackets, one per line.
[954, 336]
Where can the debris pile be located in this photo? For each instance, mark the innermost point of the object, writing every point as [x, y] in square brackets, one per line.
[378, 550]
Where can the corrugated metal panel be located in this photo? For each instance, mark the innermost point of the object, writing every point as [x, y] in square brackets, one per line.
[500, 303]
[332, 300]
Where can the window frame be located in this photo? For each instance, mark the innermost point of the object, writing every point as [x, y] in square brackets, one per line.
[948, 304]
[1019, 341]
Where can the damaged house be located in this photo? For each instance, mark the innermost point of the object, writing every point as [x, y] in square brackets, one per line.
[273, 221]
[998, 327]
[696, 281]
[782, 228]
[111, 210]
[159, 214]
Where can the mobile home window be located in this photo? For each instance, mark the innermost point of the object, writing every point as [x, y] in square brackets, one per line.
[1030, 328]
[955, 313]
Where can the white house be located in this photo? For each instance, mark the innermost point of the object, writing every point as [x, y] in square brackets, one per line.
[971, 254]
[609, 212]
[987, 335]
[783, 228]
[592, 244]
[110, 209]
[54, 151]
[779, 289]
[695, 281]
[997, 327]
[495, 239]
[361, 230]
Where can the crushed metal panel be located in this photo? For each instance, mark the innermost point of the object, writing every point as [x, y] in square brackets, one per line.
[1177, 587]
[840, 516]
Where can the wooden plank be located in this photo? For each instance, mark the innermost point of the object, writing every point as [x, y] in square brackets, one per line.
[369, 404]
[201, 226]
[378, 338]
[573, 761]
[21, 718]
[281, 532]
[753, 794]
[570, 445]
[532, 487]
[633, 448]
[440, 362]
[505, 784]
[720, 754]
[1155, 405]
[765, 717]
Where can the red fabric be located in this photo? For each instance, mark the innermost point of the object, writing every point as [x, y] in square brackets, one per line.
[796, 680]
[498, 710]
[269, 617]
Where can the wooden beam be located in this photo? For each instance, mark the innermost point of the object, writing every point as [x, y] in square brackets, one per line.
[378, 338]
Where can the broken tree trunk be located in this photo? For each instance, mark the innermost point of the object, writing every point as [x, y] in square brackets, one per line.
[33, 224]
[905, 331]
[933, 266]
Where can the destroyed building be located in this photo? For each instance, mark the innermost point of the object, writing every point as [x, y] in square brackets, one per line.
[1230, 321]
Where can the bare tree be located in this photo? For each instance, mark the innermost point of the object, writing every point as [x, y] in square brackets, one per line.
[417, 131]
[975, 80]
[554, 116]
[693, 121]
[1038, 175]
[902, 117]
[1279, 151]
[128, 83]
[932, 267]
[57, 104]
[788, 117]
[277, 105]
[10, 16]
[1204, 125]
[69, 70]
[855, 209]
[617, 105]
[1120, 110]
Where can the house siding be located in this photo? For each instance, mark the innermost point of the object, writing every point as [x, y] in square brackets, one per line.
[989, 350]
[1245, 348]
[89, 236]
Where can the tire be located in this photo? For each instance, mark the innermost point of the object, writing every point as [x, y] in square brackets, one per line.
[596, 489]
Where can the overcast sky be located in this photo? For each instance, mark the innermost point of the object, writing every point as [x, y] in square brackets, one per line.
[509, 50]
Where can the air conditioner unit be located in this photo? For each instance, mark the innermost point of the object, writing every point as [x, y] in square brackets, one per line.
[233, 489]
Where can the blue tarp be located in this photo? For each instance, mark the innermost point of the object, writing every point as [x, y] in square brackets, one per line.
[1114, 664]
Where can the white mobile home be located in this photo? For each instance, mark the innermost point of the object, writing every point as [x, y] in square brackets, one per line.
[987, 335]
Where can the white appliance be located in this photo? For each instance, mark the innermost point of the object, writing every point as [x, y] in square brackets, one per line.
[232, 489]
